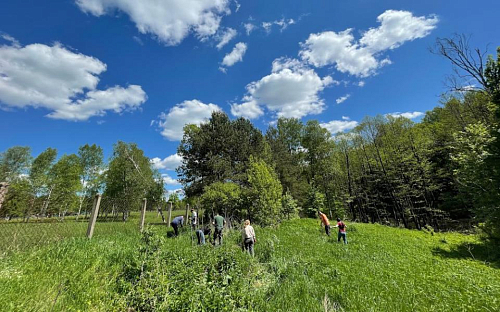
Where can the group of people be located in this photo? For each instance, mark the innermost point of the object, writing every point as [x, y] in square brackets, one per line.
[248, 233]
[342, 234]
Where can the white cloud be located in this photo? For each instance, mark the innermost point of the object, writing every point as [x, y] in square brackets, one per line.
[170, 21]
[10, 39]
[409, 115]
[250, 110]
[62, 81]
[361, 58]
[291, 90]
[187, 112]
[342, 98]
[336, 126]
[169, 163]
[282, 24]
[225, 36]
[361, 83]
[249, 27]
[267, 26]
[236, 55]
[168, 180]
[346, 118]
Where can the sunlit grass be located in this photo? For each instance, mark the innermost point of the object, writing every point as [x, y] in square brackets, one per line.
[297, 268]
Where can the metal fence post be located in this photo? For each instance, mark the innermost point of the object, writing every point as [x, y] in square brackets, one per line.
[143, 213]
[93, 215]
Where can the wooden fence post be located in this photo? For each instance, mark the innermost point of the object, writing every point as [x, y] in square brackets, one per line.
[143, 213]
[169, 214]
[187, 215]
[93, 216]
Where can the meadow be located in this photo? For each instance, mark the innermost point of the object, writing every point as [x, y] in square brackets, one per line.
[296, 268]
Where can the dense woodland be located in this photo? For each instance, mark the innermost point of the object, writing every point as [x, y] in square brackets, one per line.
[442, 172]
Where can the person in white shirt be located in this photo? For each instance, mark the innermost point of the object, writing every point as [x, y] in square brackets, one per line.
[194, 219]
[248, 235]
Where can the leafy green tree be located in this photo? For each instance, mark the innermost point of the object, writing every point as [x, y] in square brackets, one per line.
[224, 198]
[92, 164]
[315, 203]
[18, 200]
[14, 163]
[129, 178]
[40, 178]
[264, 193]
[218, 151]
[289, 207]
[65, 183]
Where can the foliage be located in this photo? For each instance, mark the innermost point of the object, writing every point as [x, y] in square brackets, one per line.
[264, 193]
[289, 207]
[14, 162]
[223, 198]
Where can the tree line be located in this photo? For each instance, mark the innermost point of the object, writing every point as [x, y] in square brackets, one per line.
[46, 186]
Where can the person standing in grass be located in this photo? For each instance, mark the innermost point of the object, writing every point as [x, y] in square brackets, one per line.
[176, 222]
[325, 222]
[248, 235]
[219, 223]
[342, 233]
[194, 219]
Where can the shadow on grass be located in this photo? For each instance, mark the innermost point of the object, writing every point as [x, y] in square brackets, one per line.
[484, 252]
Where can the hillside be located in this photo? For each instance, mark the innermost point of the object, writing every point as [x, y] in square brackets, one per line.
[297, 268]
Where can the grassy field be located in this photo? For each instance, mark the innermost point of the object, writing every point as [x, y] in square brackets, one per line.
[296, 268]
[16, 235]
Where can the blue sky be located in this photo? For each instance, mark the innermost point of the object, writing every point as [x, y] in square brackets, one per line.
[99, 71]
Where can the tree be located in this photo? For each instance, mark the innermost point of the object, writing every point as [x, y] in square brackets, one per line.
[14, 163]
[289, 208]
[129, 178]
[224, 198]
[264, 193]
[40, 177]
[217, 151]
[92, 165]
[65, 183]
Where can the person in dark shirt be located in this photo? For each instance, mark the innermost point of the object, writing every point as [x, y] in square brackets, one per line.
[342, 233]
[219, 223]
[176, 222]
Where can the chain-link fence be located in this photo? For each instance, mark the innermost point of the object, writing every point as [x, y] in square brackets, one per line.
[112, 216]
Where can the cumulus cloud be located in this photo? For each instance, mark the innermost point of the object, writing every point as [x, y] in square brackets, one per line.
[187, 112]
[62, 81]
[336, 126]
[342, 98]
[409, 115]
[362, 58]
[236, 55]
[168, 163]
[225, 36]
[170, 21]
[291, 90]
[168, 180]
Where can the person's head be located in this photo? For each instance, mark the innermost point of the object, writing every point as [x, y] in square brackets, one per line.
[192, 209]
[246, 223]
[338, 219]
[319, 213]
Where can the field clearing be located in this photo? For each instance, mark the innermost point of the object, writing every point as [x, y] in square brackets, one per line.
[16, 235]
[296, 268]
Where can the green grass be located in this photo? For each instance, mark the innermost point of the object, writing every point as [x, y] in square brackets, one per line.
[17, 235]
[296, 268]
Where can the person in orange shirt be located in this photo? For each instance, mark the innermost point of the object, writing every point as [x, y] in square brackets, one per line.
[325, 222]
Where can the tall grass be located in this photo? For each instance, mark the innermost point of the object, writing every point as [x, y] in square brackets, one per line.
[296, 268]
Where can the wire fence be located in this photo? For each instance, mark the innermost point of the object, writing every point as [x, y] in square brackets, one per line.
[111, 217]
